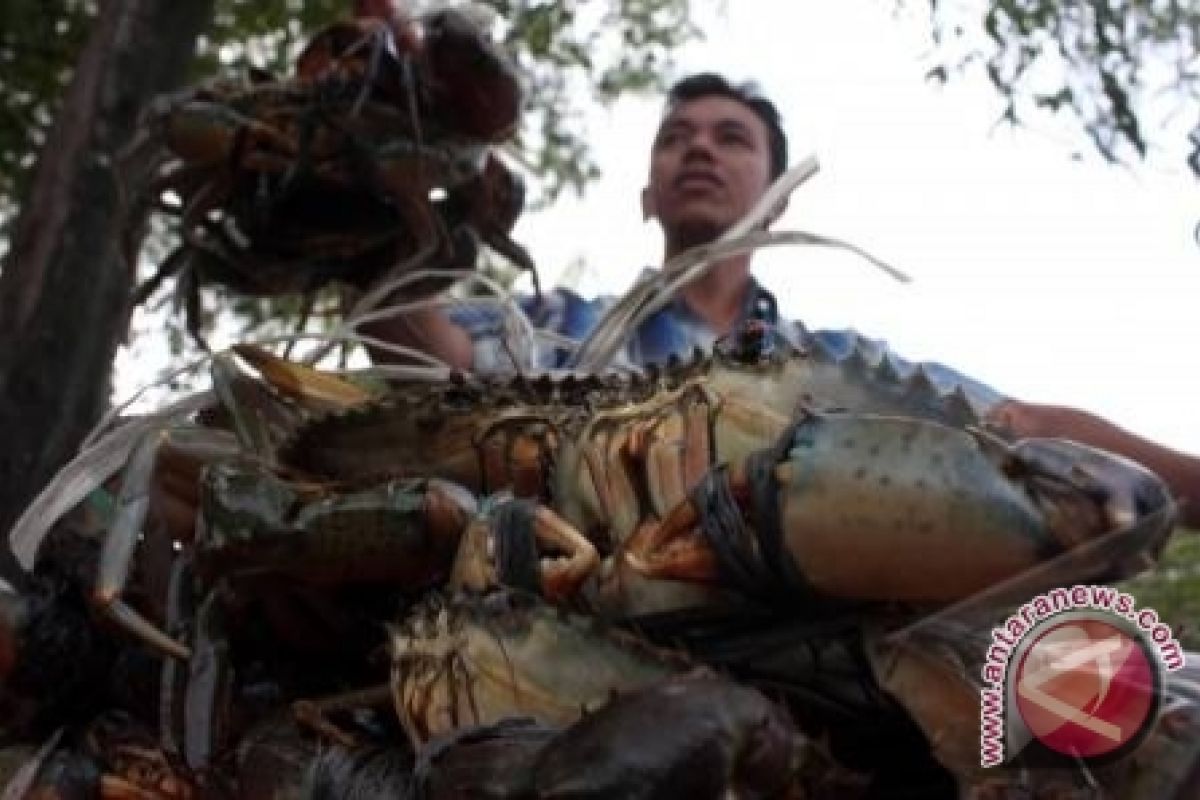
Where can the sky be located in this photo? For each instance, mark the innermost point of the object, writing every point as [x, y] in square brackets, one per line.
[1054, 279]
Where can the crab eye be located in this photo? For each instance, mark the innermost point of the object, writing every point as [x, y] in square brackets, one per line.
[751, 342]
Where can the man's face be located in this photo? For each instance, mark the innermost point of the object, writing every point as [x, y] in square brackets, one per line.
[709, 164]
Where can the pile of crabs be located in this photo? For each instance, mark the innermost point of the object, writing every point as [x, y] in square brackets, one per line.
[380, 150]
[768, 571]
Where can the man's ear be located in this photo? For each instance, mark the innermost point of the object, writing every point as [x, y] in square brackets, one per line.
[648, 208]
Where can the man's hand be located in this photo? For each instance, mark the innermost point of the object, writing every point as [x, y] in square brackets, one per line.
[428, 330]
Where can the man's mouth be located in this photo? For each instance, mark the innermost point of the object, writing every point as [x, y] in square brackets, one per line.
[698, 180]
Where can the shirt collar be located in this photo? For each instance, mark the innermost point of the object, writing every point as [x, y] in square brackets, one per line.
[758, 304]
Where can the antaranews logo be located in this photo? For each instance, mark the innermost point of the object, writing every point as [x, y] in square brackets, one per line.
[1073, 674]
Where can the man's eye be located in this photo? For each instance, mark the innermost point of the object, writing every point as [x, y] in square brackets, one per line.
[735, 138]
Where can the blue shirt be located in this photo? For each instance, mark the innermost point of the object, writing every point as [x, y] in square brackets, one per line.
[676, 330]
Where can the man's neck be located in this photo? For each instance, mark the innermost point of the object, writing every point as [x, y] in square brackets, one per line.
[718, 296]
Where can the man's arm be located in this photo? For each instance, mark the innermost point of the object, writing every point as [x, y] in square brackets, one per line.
[1180, 471]
[429, 330]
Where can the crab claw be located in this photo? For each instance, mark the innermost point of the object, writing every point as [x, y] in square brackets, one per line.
[1124, 491]
[873, 508]
[522, 544]
[1111, 516]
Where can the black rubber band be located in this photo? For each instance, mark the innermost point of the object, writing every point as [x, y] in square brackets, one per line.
[738, 558]
[516, 546]
[765, 516]
[753, 559]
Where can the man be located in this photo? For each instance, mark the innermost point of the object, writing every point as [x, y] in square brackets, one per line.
[717, 150]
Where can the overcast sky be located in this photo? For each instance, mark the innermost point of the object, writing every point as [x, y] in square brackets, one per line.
[1053, 279]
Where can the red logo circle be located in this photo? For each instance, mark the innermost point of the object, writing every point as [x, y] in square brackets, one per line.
[1085, 688]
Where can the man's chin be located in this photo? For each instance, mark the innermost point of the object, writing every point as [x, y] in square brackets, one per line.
[695, 233]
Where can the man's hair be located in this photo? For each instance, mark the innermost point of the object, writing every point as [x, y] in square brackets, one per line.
[710, 84]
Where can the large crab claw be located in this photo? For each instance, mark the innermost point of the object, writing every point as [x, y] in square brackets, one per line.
[862, 507]
[1125, 491]
[523, 545]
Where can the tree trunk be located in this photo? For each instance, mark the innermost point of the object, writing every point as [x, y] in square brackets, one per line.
[64, 288]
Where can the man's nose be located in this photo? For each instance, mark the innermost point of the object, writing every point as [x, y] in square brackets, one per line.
[700, 146]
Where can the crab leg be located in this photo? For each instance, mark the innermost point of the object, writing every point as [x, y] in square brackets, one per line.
[882, 508]
[314, 714]
[180, 614]
[117, 554]
[209, 685]
[185, 180]
[203, 132]
[522, 544]
[315, 390]
[408, 180]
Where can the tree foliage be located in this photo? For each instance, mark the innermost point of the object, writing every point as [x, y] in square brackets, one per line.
[40, 41]
[1127, 70]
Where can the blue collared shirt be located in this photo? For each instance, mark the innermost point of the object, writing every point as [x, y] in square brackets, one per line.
[676, 330]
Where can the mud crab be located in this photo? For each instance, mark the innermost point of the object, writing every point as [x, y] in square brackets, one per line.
[367, 160]
[714, 738]
[704, 502]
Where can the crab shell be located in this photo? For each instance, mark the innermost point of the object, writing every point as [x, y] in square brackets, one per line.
[478, 661]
